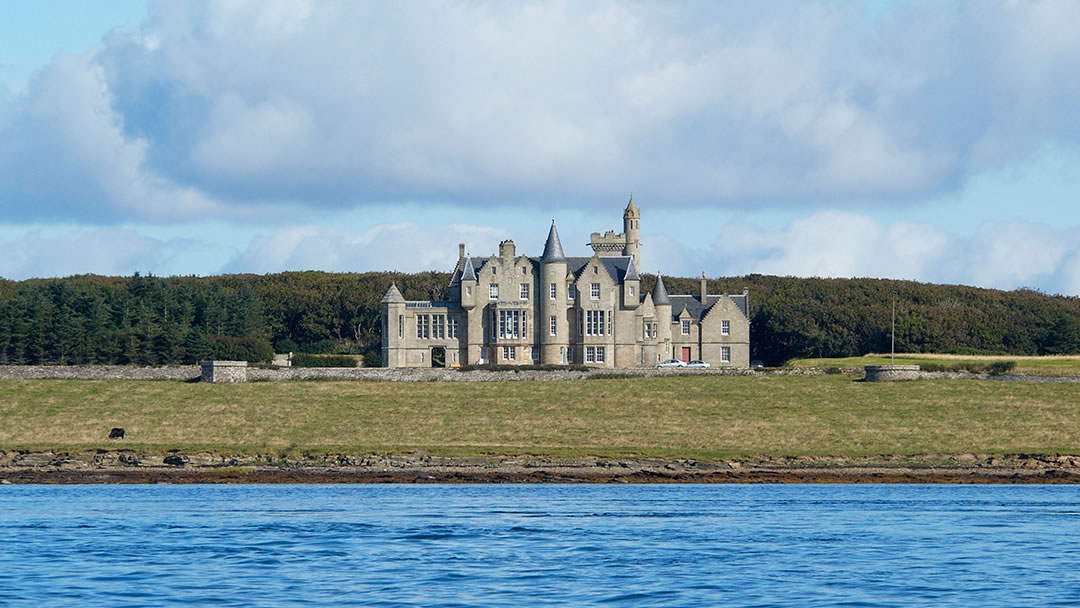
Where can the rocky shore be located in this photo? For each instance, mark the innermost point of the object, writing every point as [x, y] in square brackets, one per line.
[128, 466]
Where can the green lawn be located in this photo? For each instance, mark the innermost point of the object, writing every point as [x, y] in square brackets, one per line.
[1065, 365]
[684, 416]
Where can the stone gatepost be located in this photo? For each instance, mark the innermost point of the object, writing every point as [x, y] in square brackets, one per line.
[224, 372]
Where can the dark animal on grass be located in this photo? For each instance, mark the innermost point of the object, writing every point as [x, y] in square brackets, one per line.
[117, 433]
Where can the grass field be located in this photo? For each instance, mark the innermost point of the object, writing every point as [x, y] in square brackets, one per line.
[683, 416]
[1063, 365]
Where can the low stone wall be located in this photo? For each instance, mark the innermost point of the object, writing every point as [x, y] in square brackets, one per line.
[279, 374]
[891, 373]
[191, 373]
[100, 372]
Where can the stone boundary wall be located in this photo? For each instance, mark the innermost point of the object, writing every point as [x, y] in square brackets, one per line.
[192, 373]
[891, 373]
[100, 372]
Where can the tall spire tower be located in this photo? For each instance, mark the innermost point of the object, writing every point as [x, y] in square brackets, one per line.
[632, 231]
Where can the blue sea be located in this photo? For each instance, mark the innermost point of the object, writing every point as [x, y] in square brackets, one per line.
[539, 545]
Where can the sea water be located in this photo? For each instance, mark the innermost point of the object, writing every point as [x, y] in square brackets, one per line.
[539, 545]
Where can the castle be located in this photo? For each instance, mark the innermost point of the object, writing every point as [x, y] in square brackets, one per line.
[518, 310]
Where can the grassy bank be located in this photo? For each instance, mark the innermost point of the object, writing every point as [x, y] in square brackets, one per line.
[693, 417]
[1063, 365]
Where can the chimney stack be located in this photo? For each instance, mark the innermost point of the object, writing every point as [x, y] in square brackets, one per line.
[460, 250]
[704, 288]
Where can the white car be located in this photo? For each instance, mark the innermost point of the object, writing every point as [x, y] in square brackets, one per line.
[698, 365]
[671, 363]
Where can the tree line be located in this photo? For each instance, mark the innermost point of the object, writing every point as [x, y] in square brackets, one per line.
[151, 320]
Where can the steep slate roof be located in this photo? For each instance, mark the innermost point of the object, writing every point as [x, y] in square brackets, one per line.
[393, 295]
[697, 310]
[476, 263]
[631, 271]
[659, 293]
[617, 267]
[468, 273]
[553, 251]
[740, 301]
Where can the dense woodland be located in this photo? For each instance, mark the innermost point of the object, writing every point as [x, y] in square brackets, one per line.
[150, 320]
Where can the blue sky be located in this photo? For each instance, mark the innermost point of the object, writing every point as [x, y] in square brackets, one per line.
[918, 140]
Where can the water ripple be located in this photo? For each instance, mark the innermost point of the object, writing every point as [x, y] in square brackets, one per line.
[478, 546]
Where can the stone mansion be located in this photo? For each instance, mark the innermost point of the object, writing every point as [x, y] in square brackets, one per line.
[553, 309]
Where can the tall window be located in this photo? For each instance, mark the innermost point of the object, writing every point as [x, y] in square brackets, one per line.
[553, 289]
[631, 291]
[725, 354]
[571, 291]
[648, 330]
[401, 326]
[594, 291]
[599, 354]
[524, 295]
[509, 323]
[570, 355]
[453, 327]
[610, 320]
[725, 327]
[493, 291]
[686, 328]
[594, 323]
[438, 326]
[590, 354]
[554, 324]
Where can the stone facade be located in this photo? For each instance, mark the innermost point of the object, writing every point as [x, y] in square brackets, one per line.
[512, 309]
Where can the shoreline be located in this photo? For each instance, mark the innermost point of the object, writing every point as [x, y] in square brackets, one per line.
[113, 467]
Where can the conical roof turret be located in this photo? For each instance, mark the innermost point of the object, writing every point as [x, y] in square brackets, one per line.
[393, 295]
[631, 209]
[631, 271]
[468, 273]
[553, 248]
[659, 293]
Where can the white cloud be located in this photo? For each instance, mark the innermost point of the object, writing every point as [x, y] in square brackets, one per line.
[66, 155]
[216, 108]
[1003, 255]
[104, 251]
[404, 247]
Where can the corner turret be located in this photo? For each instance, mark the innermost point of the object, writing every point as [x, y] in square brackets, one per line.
[551, 292]
[468, 284]
[631, 287]
[662, 303]
[393, 335]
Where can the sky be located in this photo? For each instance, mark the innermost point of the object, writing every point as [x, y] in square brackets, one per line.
[934, 141]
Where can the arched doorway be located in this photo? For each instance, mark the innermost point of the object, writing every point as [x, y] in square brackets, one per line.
[438, 357]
